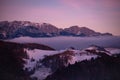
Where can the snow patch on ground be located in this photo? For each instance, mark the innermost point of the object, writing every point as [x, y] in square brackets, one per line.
[82, 55]
[113, 51]
[41, 73]
[37, 55]
[33, 62]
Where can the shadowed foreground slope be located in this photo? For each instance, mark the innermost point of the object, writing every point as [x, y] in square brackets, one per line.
[11, 60]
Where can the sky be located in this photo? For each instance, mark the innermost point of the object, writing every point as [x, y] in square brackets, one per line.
[99, 15]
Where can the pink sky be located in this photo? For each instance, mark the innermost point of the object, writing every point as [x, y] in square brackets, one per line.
[99, 15]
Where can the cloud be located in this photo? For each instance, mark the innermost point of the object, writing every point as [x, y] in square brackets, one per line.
[92, 3]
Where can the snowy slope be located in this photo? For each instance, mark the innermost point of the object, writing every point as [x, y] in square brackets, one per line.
[38, 58]
[80, 55]
[40, 71]
[34, 64]
[37, 55]
[113, 51]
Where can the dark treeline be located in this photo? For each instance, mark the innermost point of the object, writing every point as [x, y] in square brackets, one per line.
[102, 68]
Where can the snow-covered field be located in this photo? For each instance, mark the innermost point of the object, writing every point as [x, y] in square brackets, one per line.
[63, 42]
[33, 62]
[37, 55]
[41, 71]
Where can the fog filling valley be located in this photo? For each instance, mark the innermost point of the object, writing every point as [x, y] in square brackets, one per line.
[63, 42]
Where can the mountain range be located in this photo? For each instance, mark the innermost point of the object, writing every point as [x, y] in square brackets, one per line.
[15, 29]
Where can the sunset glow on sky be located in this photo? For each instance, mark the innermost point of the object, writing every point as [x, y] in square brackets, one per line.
[99, 15]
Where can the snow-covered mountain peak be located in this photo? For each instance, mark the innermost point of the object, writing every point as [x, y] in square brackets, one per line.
[15, 29]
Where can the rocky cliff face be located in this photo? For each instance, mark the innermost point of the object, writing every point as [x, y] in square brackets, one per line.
[79, 31]
[25, 28]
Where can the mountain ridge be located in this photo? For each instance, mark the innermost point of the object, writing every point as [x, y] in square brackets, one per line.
[15, 29]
